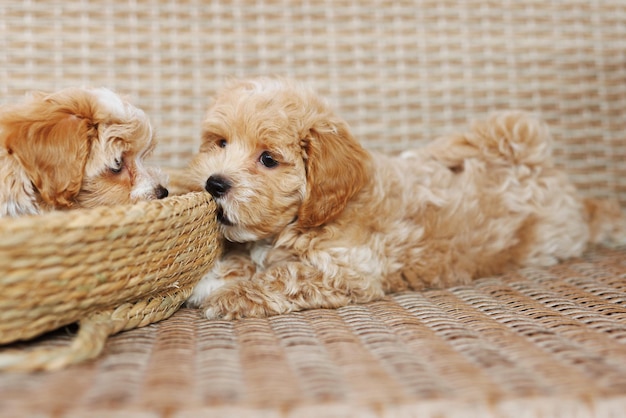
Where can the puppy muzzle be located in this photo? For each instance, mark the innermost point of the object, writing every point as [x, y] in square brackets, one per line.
[161, 192]
[217, 186]
[222, 218]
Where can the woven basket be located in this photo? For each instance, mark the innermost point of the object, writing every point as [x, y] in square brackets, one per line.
[109, 269]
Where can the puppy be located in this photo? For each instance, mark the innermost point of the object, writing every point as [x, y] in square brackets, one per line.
[77, 148]
[316, 221]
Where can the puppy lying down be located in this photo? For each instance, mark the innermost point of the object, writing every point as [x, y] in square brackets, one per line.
[76, 148]
[316, 221]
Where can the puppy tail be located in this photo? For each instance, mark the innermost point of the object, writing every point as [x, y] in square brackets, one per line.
[606, 221]
[512, 137]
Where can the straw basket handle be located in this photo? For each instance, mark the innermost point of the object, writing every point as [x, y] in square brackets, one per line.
[93, 333]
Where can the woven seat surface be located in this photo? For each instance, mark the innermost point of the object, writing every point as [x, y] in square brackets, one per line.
[540, 342]
[537, 342]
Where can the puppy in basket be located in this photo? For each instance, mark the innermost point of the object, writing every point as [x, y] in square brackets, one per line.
[316, 221]
[76, 148]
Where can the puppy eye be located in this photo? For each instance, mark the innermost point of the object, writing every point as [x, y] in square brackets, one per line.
[117, 166]
[222, 143]
[267, 160]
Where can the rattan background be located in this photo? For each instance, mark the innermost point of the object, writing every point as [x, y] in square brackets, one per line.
[401, 72]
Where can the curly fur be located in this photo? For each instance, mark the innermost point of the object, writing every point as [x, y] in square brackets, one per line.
[75, 148]
[331, 224]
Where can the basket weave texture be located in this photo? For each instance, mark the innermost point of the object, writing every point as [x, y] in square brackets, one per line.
[108, 268]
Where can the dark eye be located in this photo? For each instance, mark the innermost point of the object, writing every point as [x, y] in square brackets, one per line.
[267, 160]
[222, 143]
[117, 166]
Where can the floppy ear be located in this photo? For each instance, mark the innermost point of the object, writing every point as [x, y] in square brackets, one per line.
[337, 168]
[52, 147]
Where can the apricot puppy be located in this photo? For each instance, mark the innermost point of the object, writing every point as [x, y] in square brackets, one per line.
[76, 148]
[316, 221]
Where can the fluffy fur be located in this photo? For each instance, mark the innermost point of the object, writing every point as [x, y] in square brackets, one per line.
[76, 148]
[316, 221]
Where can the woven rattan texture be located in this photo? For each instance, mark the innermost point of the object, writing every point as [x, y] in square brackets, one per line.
[401, 72]
[539, 342]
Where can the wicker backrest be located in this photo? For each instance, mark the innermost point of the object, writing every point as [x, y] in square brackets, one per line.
[400, 72]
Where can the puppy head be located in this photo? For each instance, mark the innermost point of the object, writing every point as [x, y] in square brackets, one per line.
[81, 148]
[273, 154]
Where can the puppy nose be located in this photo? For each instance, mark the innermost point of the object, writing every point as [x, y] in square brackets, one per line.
[218, 186]
[161, 192]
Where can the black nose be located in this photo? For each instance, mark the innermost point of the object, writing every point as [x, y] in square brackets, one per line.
[161, 192]
[218, 186]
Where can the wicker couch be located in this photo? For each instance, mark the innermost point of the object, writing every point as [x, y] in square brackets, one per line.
[535, 342]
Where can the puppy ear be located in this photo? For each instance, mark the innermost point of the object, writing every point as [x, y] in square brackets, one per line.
[52, 145]
[337, 168]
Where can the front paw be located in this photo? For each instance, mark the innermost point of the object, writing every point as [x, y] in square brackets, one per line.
[242, 299]
[205, 287]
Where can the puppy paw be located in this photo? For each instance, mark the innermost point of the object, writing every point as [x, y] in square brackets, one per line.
[243, 299]
[234, 266]
[205, 287]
